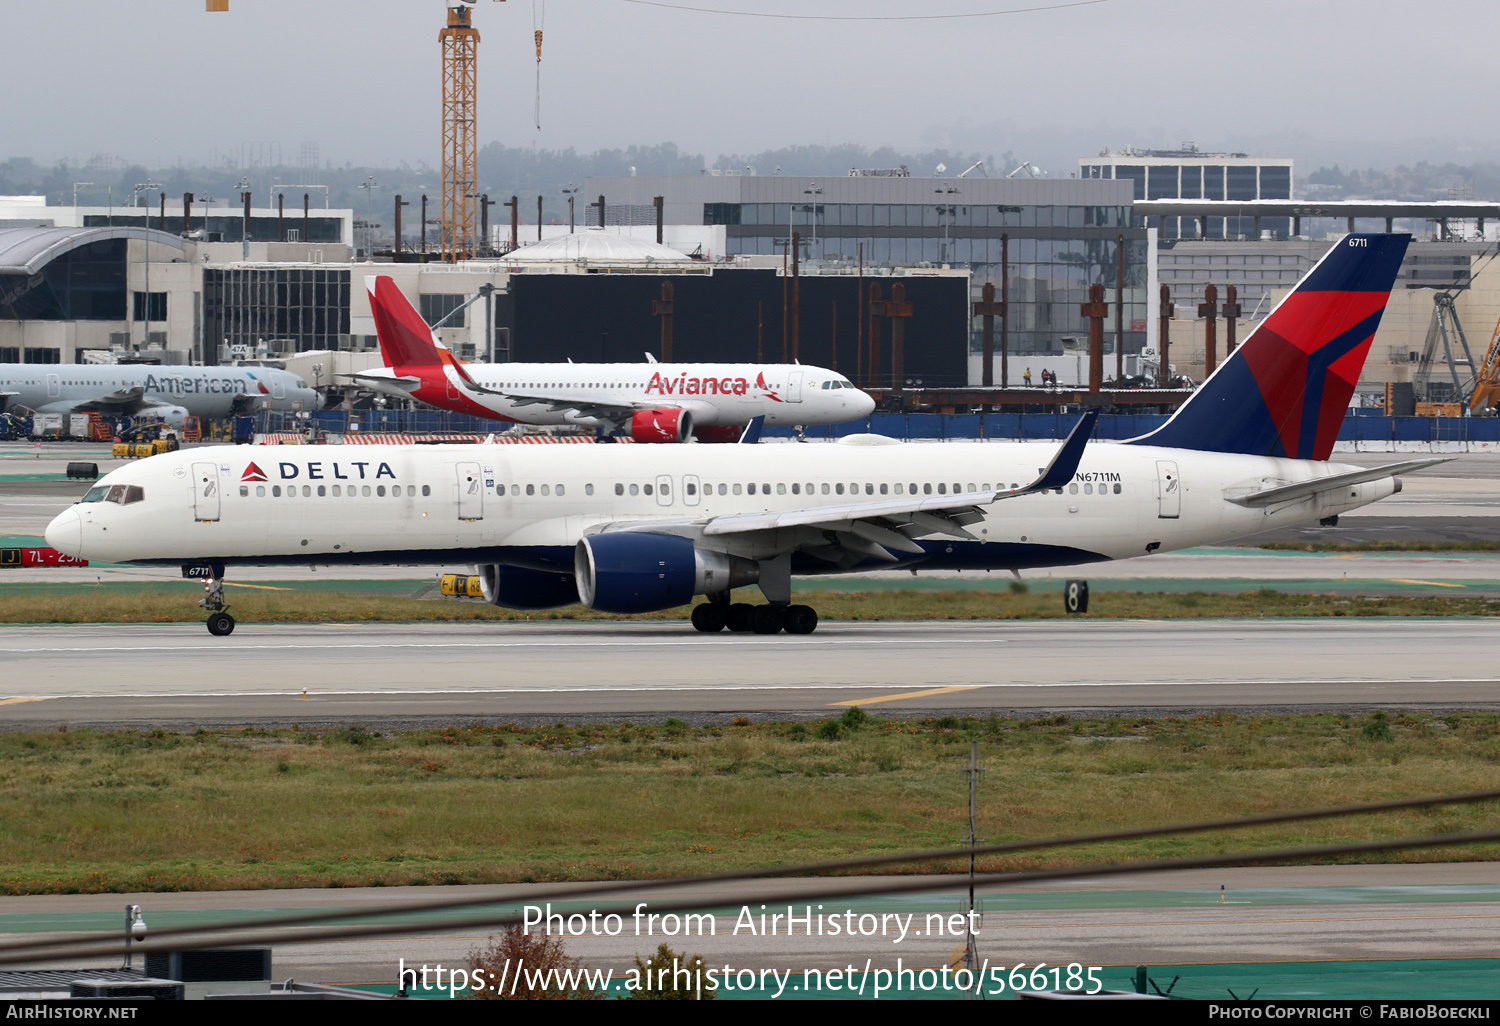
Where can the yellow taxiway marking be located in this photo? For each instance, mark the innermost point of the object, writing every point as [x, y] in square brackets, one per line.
[18, 701]
[910, 694]
[1435, 584]
[258, 587]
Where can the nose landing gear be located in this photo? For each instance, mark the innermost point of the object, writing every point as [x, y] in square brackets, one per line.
[220, 623]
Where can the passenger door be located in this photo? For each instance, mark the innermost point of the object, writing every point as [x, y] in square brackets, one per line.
[206, 492]
[54, 386]
[794, 387]
[470, 492]
[1168, 490]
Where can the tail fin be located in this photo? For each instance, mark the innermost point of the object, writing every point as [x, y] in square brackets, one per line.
[1284, 392]
[405, 339]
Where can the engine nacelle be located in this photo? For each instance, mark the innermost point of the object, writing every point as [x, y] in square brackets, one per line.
[172, 416]
[661, 426]
[640, 572]
[718, 434]
[515, 587]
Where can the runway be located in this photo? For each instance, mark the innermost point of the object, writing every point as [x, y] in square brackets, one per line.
[420, 674]
[1267, 914]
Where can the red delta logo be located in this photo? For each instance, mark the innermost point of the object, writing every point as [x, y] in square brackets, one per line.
[685, 385]
[760, 383]
[253, 473]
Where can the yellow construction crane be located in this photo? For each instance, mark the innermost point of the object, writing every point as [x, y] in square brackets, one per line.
[1487, 382]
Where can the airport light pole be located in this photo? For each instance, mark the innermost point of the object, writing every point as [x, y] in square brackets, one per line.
[145, 186]
[369, 185]
[951, 211]
[75, 195]
[812, 192]
[570, 192]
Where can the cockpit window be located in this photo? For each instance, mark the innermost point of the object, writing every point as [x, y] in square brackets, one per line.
[124, 495]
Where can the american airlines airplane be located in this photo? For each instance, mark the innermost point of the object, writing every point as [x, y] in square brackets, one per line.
[645, 528]
[171, 393]
[649, 402]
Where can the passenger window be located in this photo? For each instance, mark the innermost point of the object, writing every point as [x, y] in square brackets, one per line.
[869, 489]
[322, 491]
[751, 487]
[545, 490]
[307, 491]
[692, 489]
[825, 488]
[426, 489]
[588, 489]
[765, 489]
[531, 489]
[260, 491]
[899, 488]
[379, 490]
[913, 488]
[1088, 489]
[942, 488]
[365, 490]
[337, 490]
[839, 488]
[646, 489]
[666, 489]
[635, 489]
[411, 490]
[244, 491]
[722, 489]
[927, 488]
[971, 487]
[1073, 488]
[884, 489]
[619, 488]
[276, 491]
[780, 488]
[736, 489]
[796, 488]
[1117, 489]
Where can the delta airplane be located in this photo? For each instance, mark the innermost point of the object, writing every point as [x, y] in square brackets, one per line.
[651, 402]
[170, 393]
[646, 528]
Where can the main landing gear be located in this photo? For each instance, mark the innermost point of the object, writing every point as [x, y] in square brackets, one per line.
[713, 616]
[220, 623]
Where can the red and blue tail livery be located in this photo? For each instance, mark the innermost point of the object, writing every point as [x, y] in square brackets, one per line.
[1285, 391]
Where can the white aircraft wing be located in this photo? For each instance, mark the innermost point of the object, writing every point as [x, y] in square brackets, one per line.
[404, 381]
[850, 532]
[122, 400]
[1302, 489]
[585, 407]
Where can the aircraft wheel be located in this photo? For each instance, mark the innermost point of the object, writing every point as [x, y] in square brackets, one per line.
[710, 618]
[739, 617]
[221, 625]
[801, 619]
[767, 619]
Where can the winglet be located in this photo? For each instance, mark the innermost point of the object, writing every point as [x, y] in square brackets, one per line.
[751, 434]
[1065, 464]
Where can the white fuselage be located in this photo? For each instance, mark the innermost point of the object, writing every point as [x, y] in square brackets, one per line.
[530, 505]
[209, 392]
[717, 394]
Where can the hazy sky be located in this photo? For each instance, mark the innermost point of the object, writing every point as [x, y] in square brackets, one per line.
[1320, 80]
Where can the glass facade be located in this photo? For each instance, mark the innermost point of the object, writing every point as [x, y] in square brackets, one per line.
[82, 284]
[221, 227]
[306, 306]
[1055, 252]
[1185, 178]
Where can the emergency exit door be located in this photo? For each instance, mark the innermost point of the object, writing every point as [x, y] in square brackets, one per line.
[1168, 490]
[470, 492]
[206, 492]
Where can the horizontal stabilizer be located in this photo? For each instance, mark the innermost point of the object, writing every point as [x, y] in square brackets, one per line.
[1302, 489]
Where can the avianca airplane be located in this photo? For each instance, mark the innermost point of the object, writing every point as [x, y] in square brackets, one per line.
[650, 402]
[645, 528]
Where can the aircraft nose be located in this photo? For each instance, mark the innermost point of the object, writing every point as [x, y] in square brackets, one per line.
[65, 533]
[864, 404]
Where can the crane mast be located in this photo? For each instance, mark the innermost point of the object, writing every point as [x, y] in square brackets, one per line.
[460, 43]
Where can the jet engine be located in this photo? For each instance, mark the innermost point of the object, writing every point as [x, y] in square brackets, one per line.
[641, 572]
[172, 416]
[661, 426]
[515, 587]
[719, 433]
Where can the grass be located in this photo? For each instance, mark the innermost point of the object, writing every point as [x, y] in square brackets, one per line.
[85, 811]
[167, 603]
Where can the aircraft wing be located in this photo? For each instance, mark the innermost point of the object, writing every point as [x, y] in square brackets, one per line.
[404, 381]
[1302, 489]
[122, 400]
[584, 407]
[850, 532]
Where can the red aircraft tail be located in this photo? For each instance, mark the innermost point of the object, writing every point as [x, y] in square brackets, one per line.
[405, 339]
